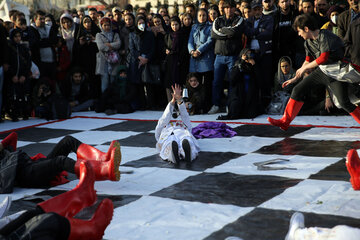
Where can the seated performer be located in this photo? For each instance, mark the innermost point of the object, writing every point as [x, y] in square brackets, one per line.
[17, 167]
[174, 138]
[328, 49]
[53, 218]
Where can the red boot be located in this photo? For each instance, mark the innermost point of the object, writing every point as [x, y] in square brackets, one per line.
[87, 152]
[95, 227]
[292, 109]
[353, 167]
[70, 203]
[10, 140]
[108, 170]
[356, 114]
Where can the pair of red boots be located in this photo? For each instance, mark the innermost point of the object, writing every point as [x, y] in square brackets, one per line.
[105, 165]
[83, 195]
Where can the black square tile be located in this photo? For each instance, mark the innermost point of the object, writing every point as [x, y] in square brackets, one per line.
[35, 148]
[204, 161]
[228, 188]
[34, 134]
[324, 148]
[336, 172]
[139, 140]
[269, 224]
[268, 131]
[135, 126]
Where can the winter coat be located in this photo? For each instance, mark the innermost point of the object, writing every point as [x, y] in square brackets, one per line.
[19, 60]
[39, 43]
[351, 42]
[343, 23]
[200, 39]
[101, 62]
[228, 35]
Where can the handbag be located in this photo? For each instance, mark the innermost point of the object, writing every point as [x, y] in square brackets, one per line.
[151, 74]
[112, 56]
[278, 103]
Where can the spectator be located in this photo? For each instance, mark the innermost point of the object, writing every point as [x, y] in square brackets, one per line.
[142, 10]
[333, 14]
[129, 19]
[167, 20]
[176, 66]
[259, 29]
[107, 59]
[85, 50]
[322, 6]
[269, 7]
[120, 96]
[347, 17]
[12, 15]
[163, 11]
[201, 49]
[221, 7]
[213, 13]
[69, 30]
[42, 48]
[128, 9]
[197, 98]
[93, 15]
[18, 84]
[227, 31]
[243, 4]
[42, 99]
[100, 15]
[8, 26]
[141, 53]
[284, 36]
[63, 60]
[248, 13]
[4, 49]
[81, 14]
[285, 72]
[191, 9]
[109, 14]
[204, 4]
[77, 90]
[351, 41]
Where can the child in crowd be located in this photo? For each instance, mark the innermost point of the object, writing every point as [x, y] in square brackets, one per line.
[174, 139]
[196, 103]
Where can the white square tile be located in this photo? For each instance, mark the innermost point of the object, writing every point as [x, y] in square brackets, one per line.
[81, 124]
[304, 166]
[162, 218]
[335, 134]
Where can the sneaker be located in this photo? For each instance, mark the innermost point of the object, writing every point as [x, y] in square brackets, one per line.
[296, 222]
[214, 109]
[175, 152]
[187, 150]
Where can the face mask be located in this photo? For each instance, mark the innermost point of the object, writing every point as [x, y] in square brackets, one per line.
[49, 23]
[333, 19]
[141, 27]
[76, 20]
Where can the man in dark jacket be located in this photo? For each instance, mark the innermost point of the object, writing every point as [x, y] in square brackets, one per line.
[351, 42]
[259, 30]
[227, 31]
[346, 17]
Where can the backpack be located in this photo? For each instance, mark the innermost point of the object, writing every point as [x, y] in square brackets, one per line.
[278, 103]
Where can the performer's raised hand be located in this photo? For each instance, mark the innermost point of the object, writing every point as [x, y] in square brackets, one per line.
[176, 93]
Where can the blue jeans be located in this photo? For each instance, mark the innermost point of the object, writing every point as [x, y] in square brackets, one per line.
[221, 64]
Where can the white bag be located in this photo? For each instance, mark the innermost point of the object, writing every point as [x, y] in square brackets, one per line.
[35, 71]
[341, 71]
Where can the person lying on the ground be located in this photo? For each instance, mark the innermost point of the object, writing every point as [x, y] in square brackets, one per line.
[54, 218]
[19, 168]
[174, 138]
[298, 231]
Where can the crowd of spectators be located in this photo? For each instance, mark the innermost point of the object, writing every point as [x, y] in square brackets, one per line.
[232, 55]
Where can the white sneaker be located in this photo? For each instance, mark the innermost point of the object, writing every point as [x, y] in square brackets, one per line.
[296, 222]
[214, 109]
[4, 206]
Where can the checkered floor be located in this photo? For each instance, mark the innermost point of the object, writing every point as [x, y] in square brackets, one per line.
[222, 193]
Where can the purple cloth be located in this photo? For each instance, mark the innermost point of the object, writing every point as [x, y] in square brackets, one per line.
[213, 130]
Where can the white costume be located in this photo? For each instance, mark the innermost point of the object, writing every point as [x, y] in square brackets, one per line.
[166, 132]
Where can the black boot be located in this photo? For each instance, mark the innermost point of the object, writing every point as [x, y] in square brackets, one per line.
[175, 152]
[187, 149]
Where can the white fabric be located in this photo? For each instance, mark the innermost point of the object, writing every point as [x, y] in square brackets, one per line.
[341, 72]
[340, 232]
[166, 132]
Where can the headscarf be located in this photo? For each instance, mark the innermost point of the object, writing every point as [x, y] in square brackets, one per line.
[333, 8]
[207, 17]
[131, 28]
[12, 34]
[166, 28]
[138, 18]
[83, 31]
[109, 35]
[176, 35]
[68, 35]
[280, 77]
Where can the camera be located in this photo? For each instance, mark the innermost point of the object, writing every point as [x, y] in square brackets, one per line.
[88, 38]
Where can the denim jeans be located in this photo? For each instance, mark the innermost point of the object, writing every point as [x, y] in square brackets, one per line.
[221, 64]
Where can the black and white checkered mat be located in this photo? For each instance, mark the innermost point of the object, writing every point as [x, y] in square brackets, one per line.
[223, 193]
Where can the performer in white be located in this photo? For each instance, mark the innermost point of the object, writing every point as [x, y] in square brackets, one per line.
[174, 138]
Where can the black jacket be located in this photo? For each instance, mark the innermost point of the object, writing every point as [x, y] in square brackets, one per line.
[351, 41]
[227, 34]
[4, 51]
[85, 93]
[343, 22]
[42, 43]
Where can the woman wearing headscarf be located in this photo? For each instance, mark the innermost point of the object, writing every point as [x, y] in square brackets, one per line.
[201, 49]
[176, 68]
[141, 47]
[108, 44]
[85, 50]
[69, 30]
